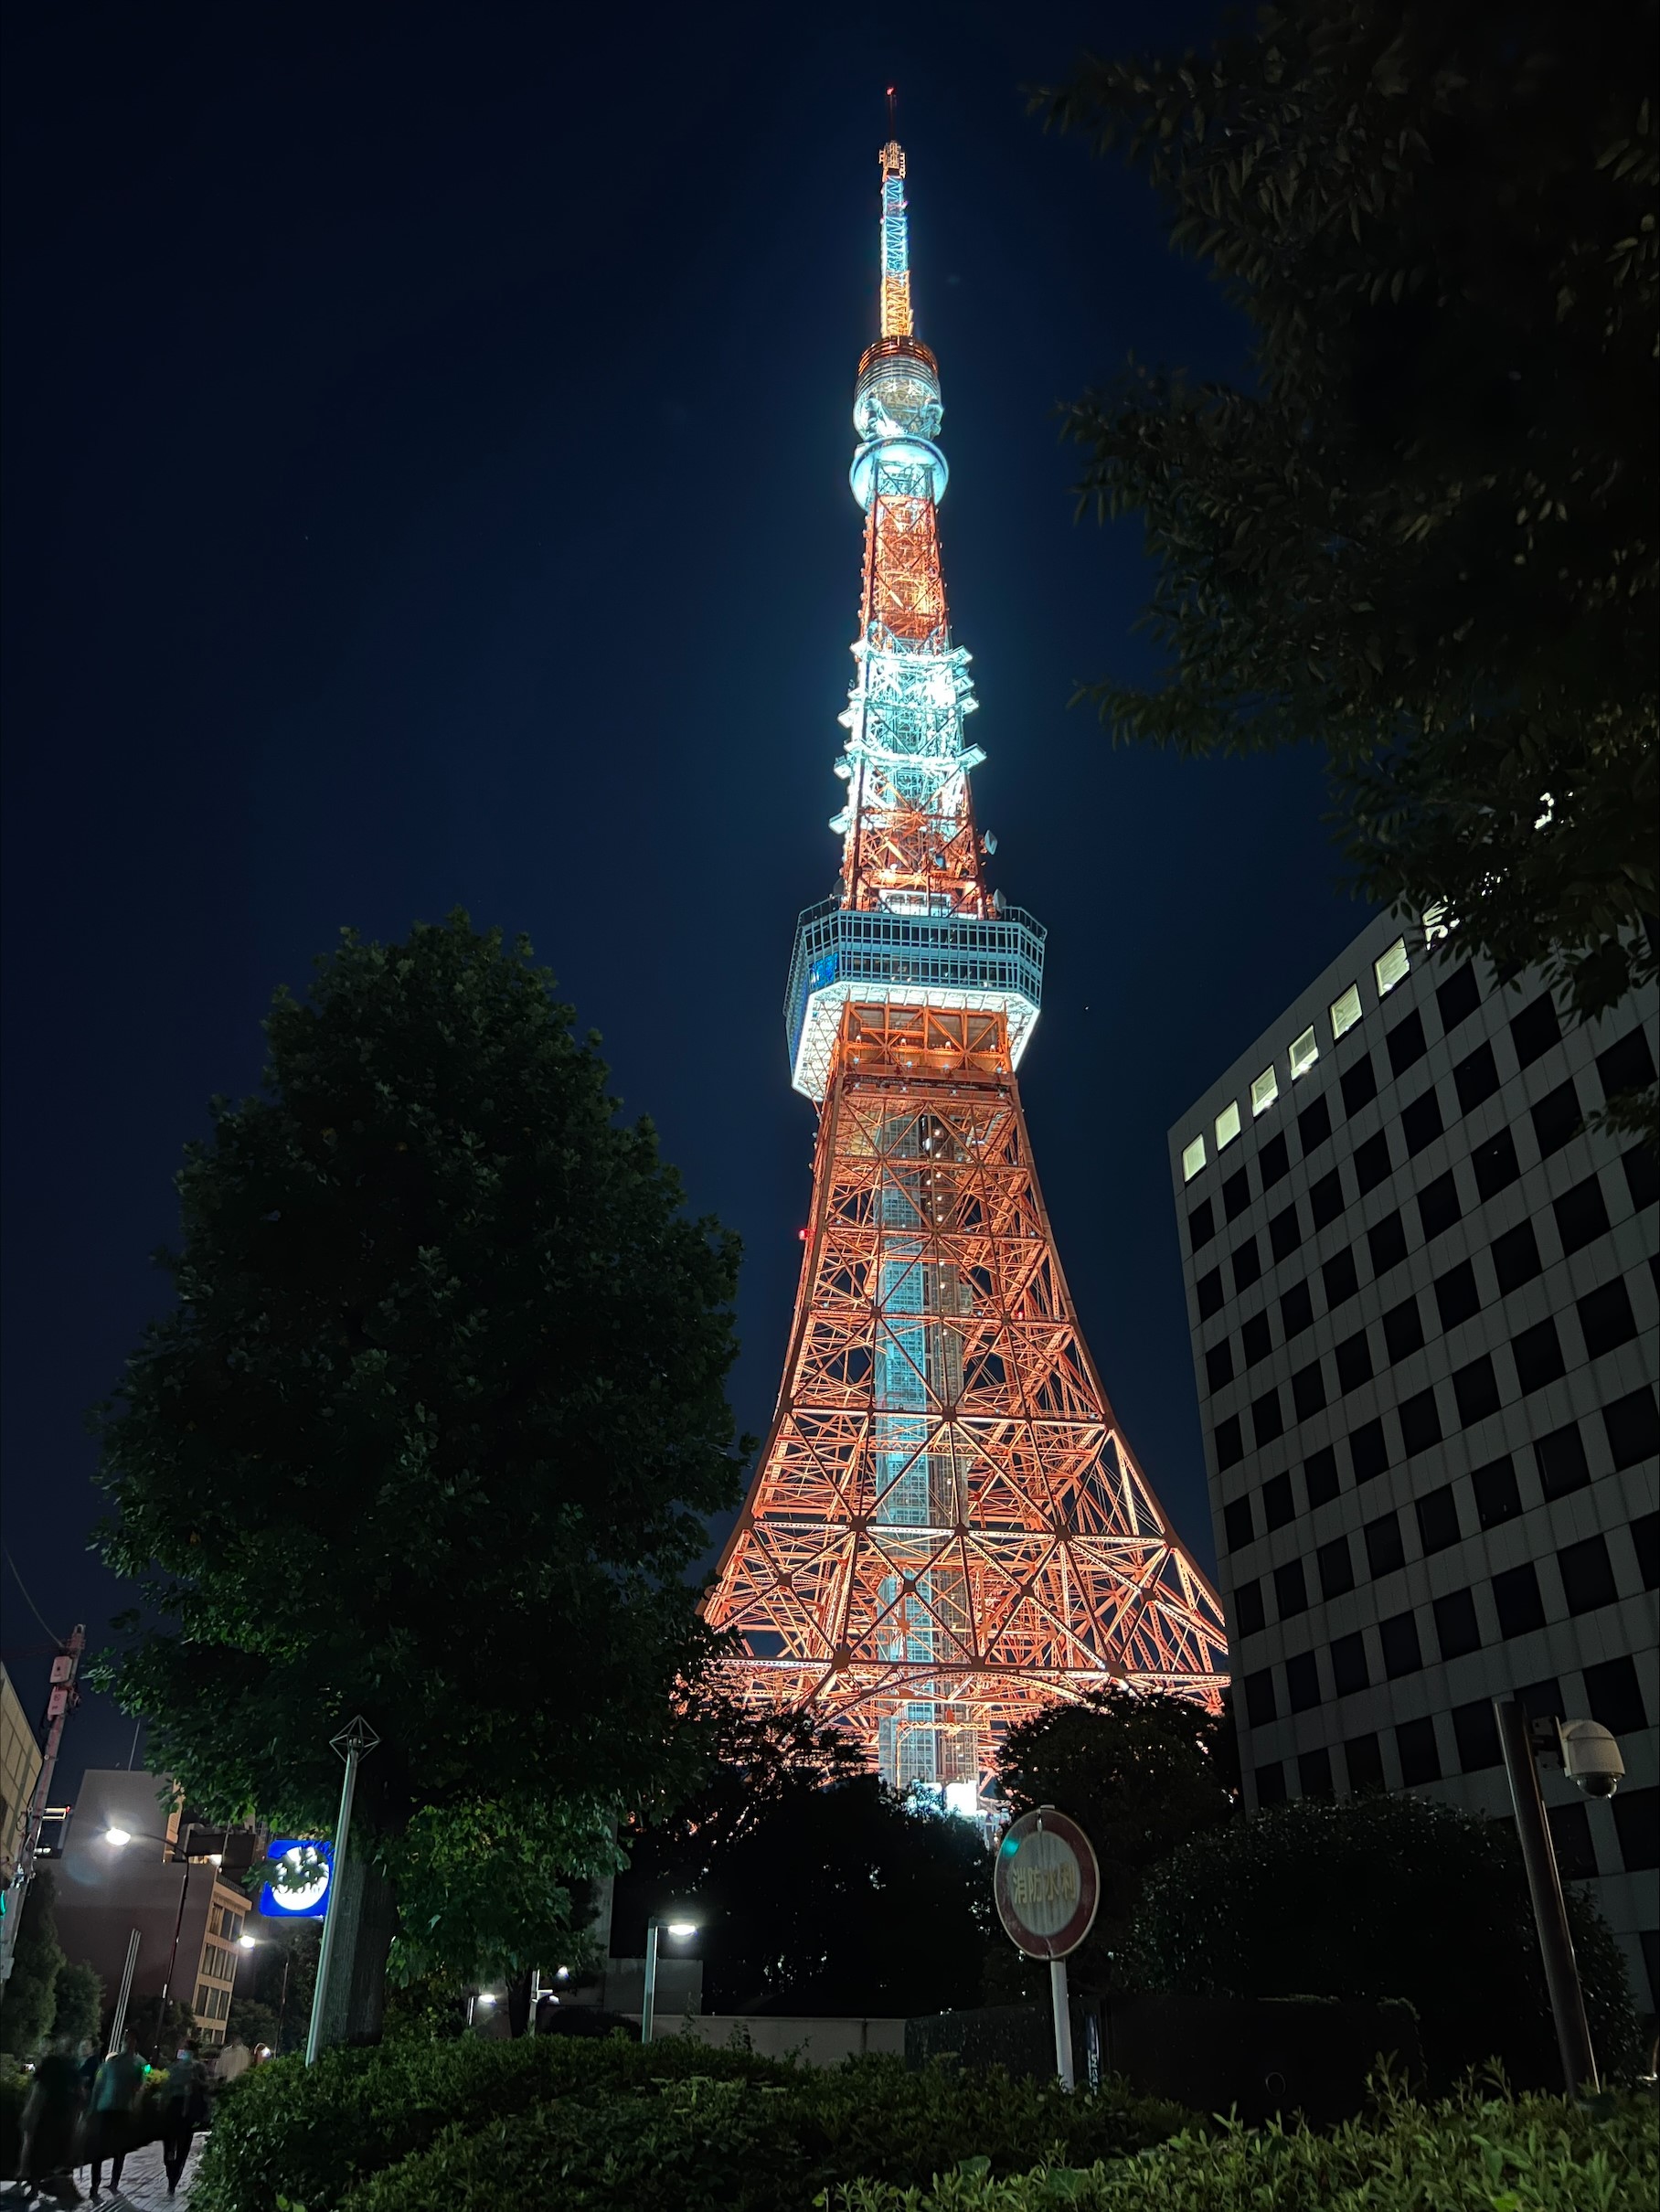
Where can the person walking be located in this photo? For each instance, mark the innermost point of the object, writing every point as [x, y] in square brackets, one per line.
[50, 2117]
[184, 2109]
[112, 2121]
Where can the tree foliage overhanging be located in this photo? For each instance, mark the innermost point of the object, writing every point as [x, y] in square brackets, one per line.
[1424, 536]
[430, 1433]
[1140, 1774]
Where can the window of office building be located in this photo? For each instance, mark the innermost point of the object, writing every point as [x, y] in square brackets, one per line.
[1304, 1052]
[1193, 1159]
[1264, 1090]
[1606, 1320]
[1615, 1696]
[1296, 1310]
[1363, 1757]
[1359, 1084]
[1308, 1390]
[1437, 1515]
[1403, 1329]
[1349, 1669]
[1516, 1258]
[1457, 999]
[1515, 1593]
[1556, 1118]
[1345, 1011]
[1634, 1428]
[1336, 1566]
[1457, 1629]
[1320, 1477]
[1421, 1122]
[1537, 1353]
[1581, 1214]
[1457, 1298]
[1274, 1161]
[1368, 1450]
[1236, 1195]
[1219, 1364]
[1387, 1242]
[1254, 1339]
[1416, 1748]
[1588, 1575]
[1438, 1206]
[1291, 1591]
[1385, 1551]
[1390, 967]
[1339, 1279]
[1495, 1165]
[1315, 1124]
[1398, 1639]
[1534, 1029]
[1497, 1500]
[1302, 1682]
[1314, 1773]
[1420, 1422]
[1476, 1732]
[1476, 1079]
[1279, 1506]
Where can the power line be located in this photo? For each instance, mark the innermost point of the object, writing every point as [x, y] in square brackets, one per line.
[23, 1586]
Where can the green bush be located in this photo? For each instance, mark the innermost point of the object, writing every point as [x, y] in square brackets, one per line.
[1473, 2155]
[1383, 1897]
[754, 2145]
[308, 2134]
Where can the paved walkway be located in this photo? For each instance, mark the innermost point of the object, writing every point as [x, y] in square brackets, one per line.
[143, 2183]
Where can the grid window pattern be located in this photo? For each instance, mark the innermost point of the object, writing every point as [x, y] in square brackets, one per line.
[1449, 1430]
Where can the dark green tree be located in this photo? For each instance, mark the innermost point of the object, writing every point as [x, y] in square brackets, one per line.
[816, 1890]
[78, 2008]
[430, 1433]
[28, 2003]
[1139, 1774]
[1381, 1896]
[1423, 536]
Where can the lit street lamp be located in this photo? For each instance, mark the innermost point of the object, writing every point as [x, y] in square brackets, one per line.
[677, 1927]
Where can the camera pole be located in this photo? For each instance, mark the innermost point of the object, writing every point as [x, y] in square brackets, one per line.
[1550, 1909]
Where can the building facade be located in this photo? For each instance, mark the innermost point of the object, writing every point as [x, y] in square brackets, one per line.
[20, 1762]
[1423, 1306]
[127, 1865]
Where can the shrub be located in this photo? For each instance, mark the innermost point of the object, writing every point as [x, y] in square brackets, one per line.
[1472, 2154]
[691, 2144]
[1382, 1896]
[309, 2133]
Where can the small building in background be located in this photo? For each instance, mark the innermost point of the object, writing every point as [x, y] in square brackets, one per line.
[128, 1864]
[1423, 1304]
[20, 1772]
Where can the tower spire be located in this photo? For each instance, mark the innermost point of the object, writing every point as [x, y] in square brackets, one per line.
[948, 1528]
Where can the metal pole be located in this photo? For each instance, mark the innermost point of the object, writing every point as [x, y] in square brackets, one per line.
[354, 1742]
[1549, 1910]
[1063, 2022]
[648, 2003]
[183, 1891]
[126, 1992]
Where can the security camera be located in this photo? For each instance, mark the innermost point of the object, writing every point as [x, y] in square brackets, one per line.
[1592, 1758]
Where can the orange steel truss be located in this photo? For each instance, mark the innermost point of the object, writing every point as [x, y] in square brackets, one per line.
[948, 1530]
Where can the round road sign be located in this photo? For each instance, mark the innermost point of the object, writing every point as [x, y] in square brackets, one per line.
[1047, 1884]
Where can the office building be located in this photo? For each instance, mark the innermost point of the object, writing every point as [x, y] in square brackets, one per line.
[1423, 1303]
[129, 1864]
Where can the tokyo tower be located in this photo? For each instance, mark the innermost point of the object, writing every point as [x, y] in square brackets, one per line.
[947, 1529]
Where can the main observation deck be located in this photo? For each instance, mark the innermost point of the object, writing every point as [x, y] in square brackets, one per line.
[848, 953]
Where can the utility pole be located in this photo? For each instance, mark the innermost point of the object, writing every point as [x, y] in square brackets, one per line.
[61, 1699]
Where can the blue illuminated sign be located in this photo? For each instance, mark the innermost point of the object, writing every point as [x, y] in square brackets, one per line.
[302, 1891]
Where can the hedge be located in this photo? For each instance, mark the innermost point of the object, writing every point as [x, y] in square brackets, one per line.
[1468, 2154]
[609, 2123]
[306, 2134]
[749, 2145]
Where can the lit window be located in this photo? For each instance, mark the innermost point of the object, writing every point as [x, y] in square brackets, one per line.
[1304, 1052]
[1264, 1092]
[1391, 966]
[1227, 1125]
[1193, 1159]
[1345, 1011]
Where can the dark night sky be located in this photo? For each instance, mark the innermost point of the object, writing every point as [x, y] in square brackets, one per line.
[425, 446]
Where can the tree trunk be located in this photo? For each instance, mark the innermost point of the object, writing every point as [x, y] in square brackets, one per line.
[354, 2004]
[518, 2004]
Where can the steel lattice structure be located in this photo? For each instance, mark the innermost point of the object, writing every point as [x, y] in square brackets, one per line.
[948, 1528]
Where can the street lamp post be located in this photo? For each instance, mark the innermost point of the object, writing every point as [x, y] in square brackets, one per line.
[353, 1743]
[678, 1928]
[118, 1838]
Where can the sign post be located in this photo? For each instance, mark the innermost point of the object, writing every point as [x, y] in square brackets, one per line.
[1046, 1886]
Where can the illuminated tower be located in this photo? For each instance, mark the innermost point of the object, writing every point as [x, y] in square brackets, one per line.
[947, 1529]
